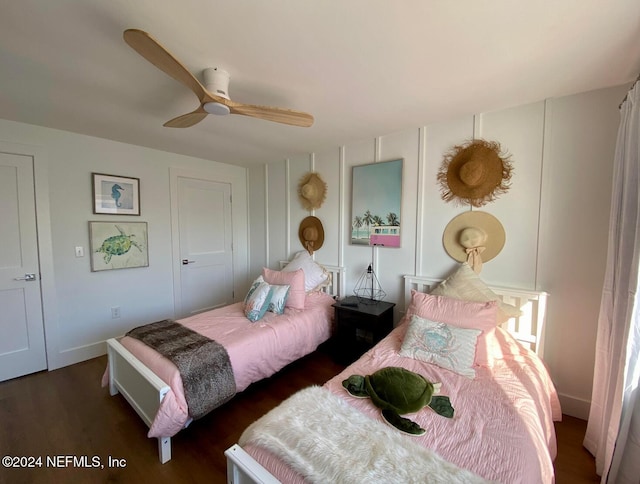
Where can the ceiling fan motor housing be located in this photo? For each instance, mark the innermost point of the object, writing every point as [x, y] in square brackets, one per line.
[217, 81]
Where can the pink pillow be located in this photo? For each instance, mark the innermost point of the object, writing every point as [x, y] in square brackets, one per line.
[294, 279]
[463, 314]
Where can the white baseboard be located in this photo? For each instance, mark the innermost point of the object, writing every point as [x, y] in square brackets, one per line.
[77, 355]
[574, 406]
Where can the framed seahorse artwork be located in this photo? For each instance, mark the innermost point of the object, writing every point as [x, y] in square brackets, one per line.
[116, 195]
[118, 245]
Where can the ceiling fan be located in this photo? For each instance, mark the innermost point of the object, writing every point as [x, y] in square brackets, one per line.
[214, 98]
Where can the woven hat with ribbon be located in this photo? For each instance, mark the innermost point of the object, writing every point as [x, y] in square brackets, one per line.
[474, 237]
[311, 234]
[476, 172]
[312, 191]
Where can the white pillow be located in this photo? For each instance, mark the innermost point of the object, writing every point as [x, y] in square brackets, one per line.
[315, 276]
[441, 344]
[465, 284]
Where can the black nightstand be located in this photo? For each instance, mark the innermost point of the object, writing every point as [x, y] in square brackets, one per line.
[360, 324]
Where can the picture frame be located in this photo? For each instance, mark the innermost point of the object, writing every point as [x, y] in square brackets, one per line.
[376, 202]
[115, 195]
[118, 245]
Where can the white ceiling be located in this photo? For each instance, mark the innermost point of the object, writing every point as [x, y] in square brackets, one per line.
[363, 68]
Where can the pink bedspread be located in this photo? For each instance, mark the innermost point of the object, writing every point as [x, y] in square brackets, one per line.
[256, 350]
[503, 424]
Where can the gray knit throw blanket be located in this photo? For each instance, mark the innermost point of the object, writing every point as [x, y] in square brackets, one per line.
[204, 364]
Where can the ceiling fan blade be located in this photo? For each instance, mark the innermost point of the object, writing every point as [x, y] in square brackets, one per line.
[279, 115]
[187, 120]
[150, 49]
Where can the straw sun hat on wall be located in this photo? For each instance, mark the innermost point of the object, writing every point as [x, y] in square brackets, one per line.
[311, 234]
[474, 237]
[312, 191]
[476, 172]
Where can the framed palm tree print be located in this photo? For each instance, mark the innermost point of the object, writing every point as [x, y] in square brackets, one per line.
[376, 199]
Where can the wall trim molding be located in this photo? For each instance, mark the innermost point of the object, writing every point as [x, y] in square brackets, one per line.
[342, 204]
[265, 214]
[574, 406]
[422, 157]
[78, 354]
[287, 204]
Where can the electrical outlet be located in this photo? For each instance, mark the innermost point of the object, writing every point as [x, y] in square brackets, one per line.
[115, 312]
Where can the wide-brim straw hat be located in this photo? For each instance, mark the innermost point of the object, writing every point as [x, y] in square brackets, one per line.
[312, 191]
[311, 234]
[476, 172]
[482, 226]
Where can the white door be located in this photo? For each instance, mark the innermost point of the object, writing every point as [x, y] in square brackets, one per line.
[205, 232]
[22, 347]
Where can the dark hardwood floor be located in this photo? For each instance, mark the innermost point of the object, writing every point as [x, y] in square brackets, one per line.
[66, 413]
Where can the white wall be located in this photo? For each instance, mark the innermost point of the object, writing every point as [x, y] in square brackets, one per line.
[575, 204]
[555, 215]
[78, 302]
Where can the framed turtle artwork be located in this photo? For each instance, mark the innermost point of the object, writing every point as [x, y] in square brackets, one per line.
[118, 245]
[116, 195]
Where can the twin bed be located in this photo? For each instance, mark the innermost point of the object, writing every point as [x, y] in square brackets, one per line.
[502, 429]
[153, 385]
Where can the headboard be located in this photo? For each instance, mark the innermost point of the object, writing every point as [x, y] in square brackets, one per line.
[337, 282]
[527, 328]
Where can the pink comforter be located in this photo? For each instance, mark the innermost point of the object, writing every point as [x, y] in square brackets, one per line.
[256, 350]
[503, 424]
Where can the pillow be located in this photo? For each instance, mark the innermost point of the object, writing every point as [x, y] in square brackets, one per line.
[465, 284]
[315, 276]
[278, 298]
[459, 313]
[257, 300]
[294, 279]
[444, 345]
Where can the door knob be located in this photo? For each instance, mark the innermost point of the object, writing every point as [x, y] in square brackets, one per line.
[187, 261]
[27, 277]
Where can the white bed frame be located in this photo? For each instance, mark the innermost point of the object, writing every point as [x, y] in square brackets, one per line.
[144, 390]
[527, 328]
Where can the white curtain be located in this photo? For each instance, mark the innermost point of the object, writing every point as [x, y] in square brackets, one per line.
[613, 430]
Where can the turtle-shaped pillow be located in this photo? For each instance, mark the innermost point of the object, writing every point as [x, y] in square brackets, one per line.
[398, 391]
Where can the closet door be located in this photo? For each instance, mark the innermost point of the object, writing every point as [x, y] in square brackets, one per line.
[22, 345]
[206, 245]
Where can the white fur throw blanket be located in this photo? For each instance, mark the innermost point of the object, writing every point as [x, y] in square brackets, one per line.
[327, 440]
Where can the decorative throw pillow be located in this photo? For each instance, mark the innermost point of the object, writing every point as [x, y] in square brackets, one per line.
[459, 313]
[441, 344]
[278, 298]
[257, 300]
[315, 276]
[294, 279]
[465, 284]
